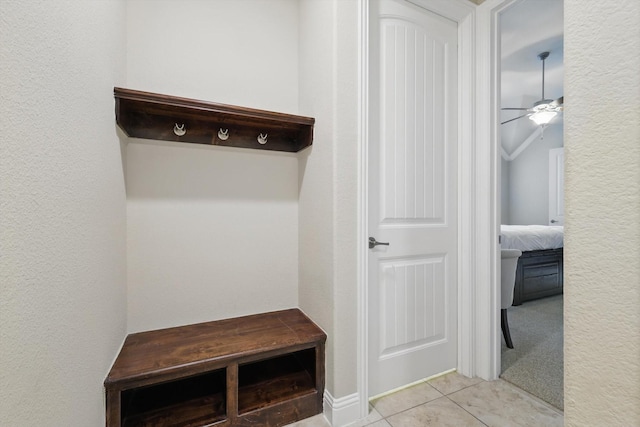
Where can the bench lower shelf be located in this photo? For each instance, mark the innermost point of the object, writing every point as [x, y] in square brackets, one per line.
[204, 411]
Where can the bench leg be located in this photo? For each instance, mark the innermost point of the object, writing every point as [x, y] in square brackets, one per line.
[504, 323]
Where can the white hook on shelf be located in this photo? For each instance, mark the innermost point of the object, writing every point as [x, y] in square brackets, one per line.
[179, 129]
[223, 134]
[262, 139]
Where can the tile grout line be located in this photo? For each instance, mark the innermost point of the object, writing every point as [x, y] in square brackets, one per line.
[408, 409]
[413, 407]
[386, 419]
[534, 397]
[442, 394]
[458, 405]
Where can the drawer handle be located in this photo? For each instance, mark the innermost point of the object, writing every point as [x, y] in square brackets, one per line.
[179, 129]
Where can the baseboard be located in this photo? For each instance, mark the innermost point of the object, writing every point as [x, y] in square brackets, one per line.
[342, 411]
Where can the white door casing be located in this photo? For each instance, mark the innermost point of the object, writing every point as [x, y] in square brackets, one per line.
[478, 319]
[556, 186]
[412, 294]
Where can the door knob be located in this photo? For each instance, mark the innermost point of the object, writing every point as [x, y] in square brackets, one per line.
[373, 243]
[553, 221]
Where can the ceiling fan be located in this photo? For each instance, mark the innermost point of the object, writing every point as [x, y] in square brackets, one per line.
[543, 111]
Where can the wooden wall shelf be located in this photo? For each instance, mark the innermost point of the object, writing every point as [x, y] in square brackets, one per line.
[163, 117]
[265, 369]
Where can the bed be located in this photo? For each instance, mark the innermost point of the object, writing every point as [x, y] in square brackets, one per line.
[540, 268]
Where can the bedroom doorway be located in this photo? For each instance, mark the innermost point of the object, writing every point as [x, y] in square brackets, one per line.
[531, 185]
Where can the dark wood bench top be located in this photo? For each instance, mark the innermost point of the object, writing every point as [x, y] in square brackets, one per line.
[152, 353]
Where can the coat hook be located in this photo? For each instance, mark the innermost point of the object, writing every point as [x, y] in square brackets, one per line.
[262, 139]
[179, 129]
[223, 134]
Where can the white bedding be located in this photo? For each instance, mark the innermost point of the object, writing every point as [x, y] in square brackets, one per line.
[532, 237]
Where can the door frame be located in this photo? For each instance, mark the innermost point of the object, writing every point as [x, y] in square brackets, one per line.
[436, 350]
[477, 323]
[488, 163]
[554, 176]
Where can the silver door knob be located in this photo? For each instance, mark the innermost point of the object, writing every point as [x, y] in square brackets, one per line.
[373, 243]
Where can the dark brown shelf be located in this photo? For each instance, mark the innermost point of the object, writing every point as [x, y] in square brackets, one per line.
[155, 116]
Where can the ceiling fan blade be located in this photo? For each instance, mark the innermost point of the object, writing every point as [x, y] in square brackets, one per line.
[522, 109]
[558, 102]
[519, 117]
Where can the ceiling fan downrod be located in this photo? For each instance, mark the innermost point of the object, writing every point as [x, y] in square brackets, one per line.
[543, 56]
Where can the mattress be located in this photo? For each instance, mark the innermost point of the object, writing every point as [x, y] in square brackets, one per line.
[532, 237]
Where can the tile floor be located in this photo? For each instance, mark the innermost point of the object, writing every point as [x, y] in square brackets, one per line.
[455, 400]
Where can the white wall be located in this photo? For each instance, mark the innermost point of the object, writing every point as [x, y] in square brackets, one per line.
[212, 232]
[316, 203]
[239, 52]
[62, 210]
[529, 179]
[602, 214]
[328, 182]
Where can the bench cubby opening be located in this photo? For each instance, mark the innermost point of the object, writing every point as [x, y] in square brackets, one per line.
[274, 380]
[196, 400]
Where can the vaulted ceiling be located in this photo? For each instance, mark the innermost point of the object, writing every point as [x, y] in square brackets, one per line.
[528, 28]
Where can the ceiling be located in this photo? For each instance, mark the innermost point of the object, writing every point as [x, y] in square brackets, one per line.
[528, 28]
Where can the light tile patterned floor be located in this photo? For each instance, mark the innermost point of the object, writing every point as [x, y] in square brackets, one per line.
[455, 400]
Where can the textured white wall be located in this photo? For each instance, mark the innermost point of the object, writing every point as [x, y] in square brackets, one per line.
[529, 179]
[328, 182]
[212, 232]
[62, 210]
[602, 213]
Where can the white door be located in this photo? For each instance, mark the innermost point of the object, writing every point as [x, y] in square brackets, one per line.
[556, 186]
[412, 287]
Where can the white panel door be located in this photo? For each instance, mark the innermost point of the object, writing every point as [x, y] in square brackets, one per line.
[412, 195]
[556, 186]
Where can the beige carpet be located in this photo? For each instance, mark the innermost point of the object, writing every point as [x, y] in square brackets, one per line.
[535, 362]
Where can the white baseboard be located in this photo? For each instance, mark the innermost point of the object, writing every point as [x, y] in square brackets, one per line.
[342, 411]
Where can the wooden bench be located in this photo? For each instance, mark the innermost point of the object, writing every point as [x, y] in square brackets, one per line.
[265, 369]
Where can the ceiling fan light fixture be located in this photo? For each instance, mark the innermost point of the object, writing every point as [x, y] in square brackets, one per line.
[543, 105]
[543, 111]
[542, 117]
